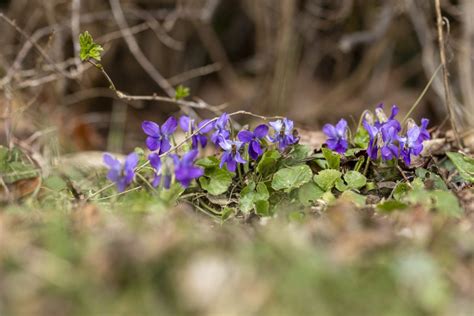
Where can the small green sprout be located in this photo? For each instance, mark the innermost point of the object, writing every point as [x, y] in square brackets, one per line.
[181, 92]
[89, 49]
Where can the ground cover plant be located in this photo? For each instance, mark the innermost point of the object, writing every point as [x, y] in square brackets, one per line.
[211, 217]
[256, 171]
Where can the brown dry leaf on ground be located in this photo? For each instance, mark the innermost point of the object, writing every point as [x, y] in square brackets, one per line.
[19, 189]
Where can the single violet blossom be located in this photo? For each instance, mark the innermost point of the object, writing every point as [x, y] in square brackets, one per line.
[185, 171]
[122, 176]
[253, 139]
[231, 155]
[188, 125]
[390, 149]
[372, 148]
[284, 133]
[382, 130]
[412, 144]
[155, 162]
[382, 118]
[158, 138]
[221, 133]
[337, 136]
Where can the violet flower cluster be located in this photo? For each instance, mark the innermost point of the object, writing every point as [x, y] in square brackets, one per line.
[386, 137]
[168, 166]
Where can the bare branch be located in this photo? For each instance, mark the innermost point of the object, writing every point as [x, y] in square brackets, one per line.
[442, 54]
[135, 49]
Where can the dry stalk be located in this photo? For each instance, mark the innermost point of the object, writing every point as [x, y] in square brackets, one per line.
[442, 54]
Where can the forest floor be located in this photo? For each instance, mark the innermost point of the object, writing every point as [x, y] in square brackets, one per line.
[65, 251]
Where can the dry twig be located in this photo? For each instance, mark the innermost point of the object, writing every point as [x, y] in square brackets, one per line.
[442, 53]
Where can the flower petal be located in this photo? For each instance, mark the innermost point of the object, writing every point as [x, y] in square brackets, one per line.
[153, 143]
[205, 127]
[231, 165]
[156, 180]
[202, 139]
[394, 113]
[225, 144]
[169, 126]
[151, 128]
[112, 162]
[189, 157]
[185, 123]
[330, 131]
[276, 125]
[238, 158]
[113, 175]
[155, 161]
[261, 131]
[341, 128]
[165, 146]
[245, 136]
[255, 145]
[131, 161]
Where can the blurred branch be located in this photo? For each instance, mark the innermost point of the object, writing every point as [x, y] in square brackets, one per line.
[194, 73]
[377, 31]
[155, 97]
[40, 50]
[75, 30]
[442, 54]
[135, 49]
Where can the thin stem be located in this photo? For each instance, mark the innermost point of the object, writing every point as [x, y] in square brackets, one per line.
[118, 194]
[420, 97]
[442, 54]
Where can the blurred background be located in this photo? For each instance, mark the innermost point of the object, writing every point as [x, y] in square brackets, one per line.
[313, 60]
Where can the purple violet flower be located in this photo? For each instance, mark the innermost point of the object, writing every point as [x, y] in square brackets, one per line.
[253, 139]
[412, 144]
[188, 125]
[185, 171]
[221, 133]
[389, 149]
[372, 148]
[383, 133]
[382, 118]
[284, 133]
[155, 162]
[231, 154]
[337, 136]
[158, 138]
[122, 176]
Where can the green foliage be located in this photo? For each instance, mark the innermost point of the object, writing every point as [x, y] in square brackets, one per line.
[14, 166]
[333, 159]
[171, 195]
[309, 193]
[181, 92]
[464, 164]
[361, 138]
[291, 178]
[443, 201]
[216, 180]
[355, 180]
[300, 152]
[326, 179]
[89, 49]
[252, 196]
[268, 163]
[433, 180]
[390, 206]
[355, 198]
